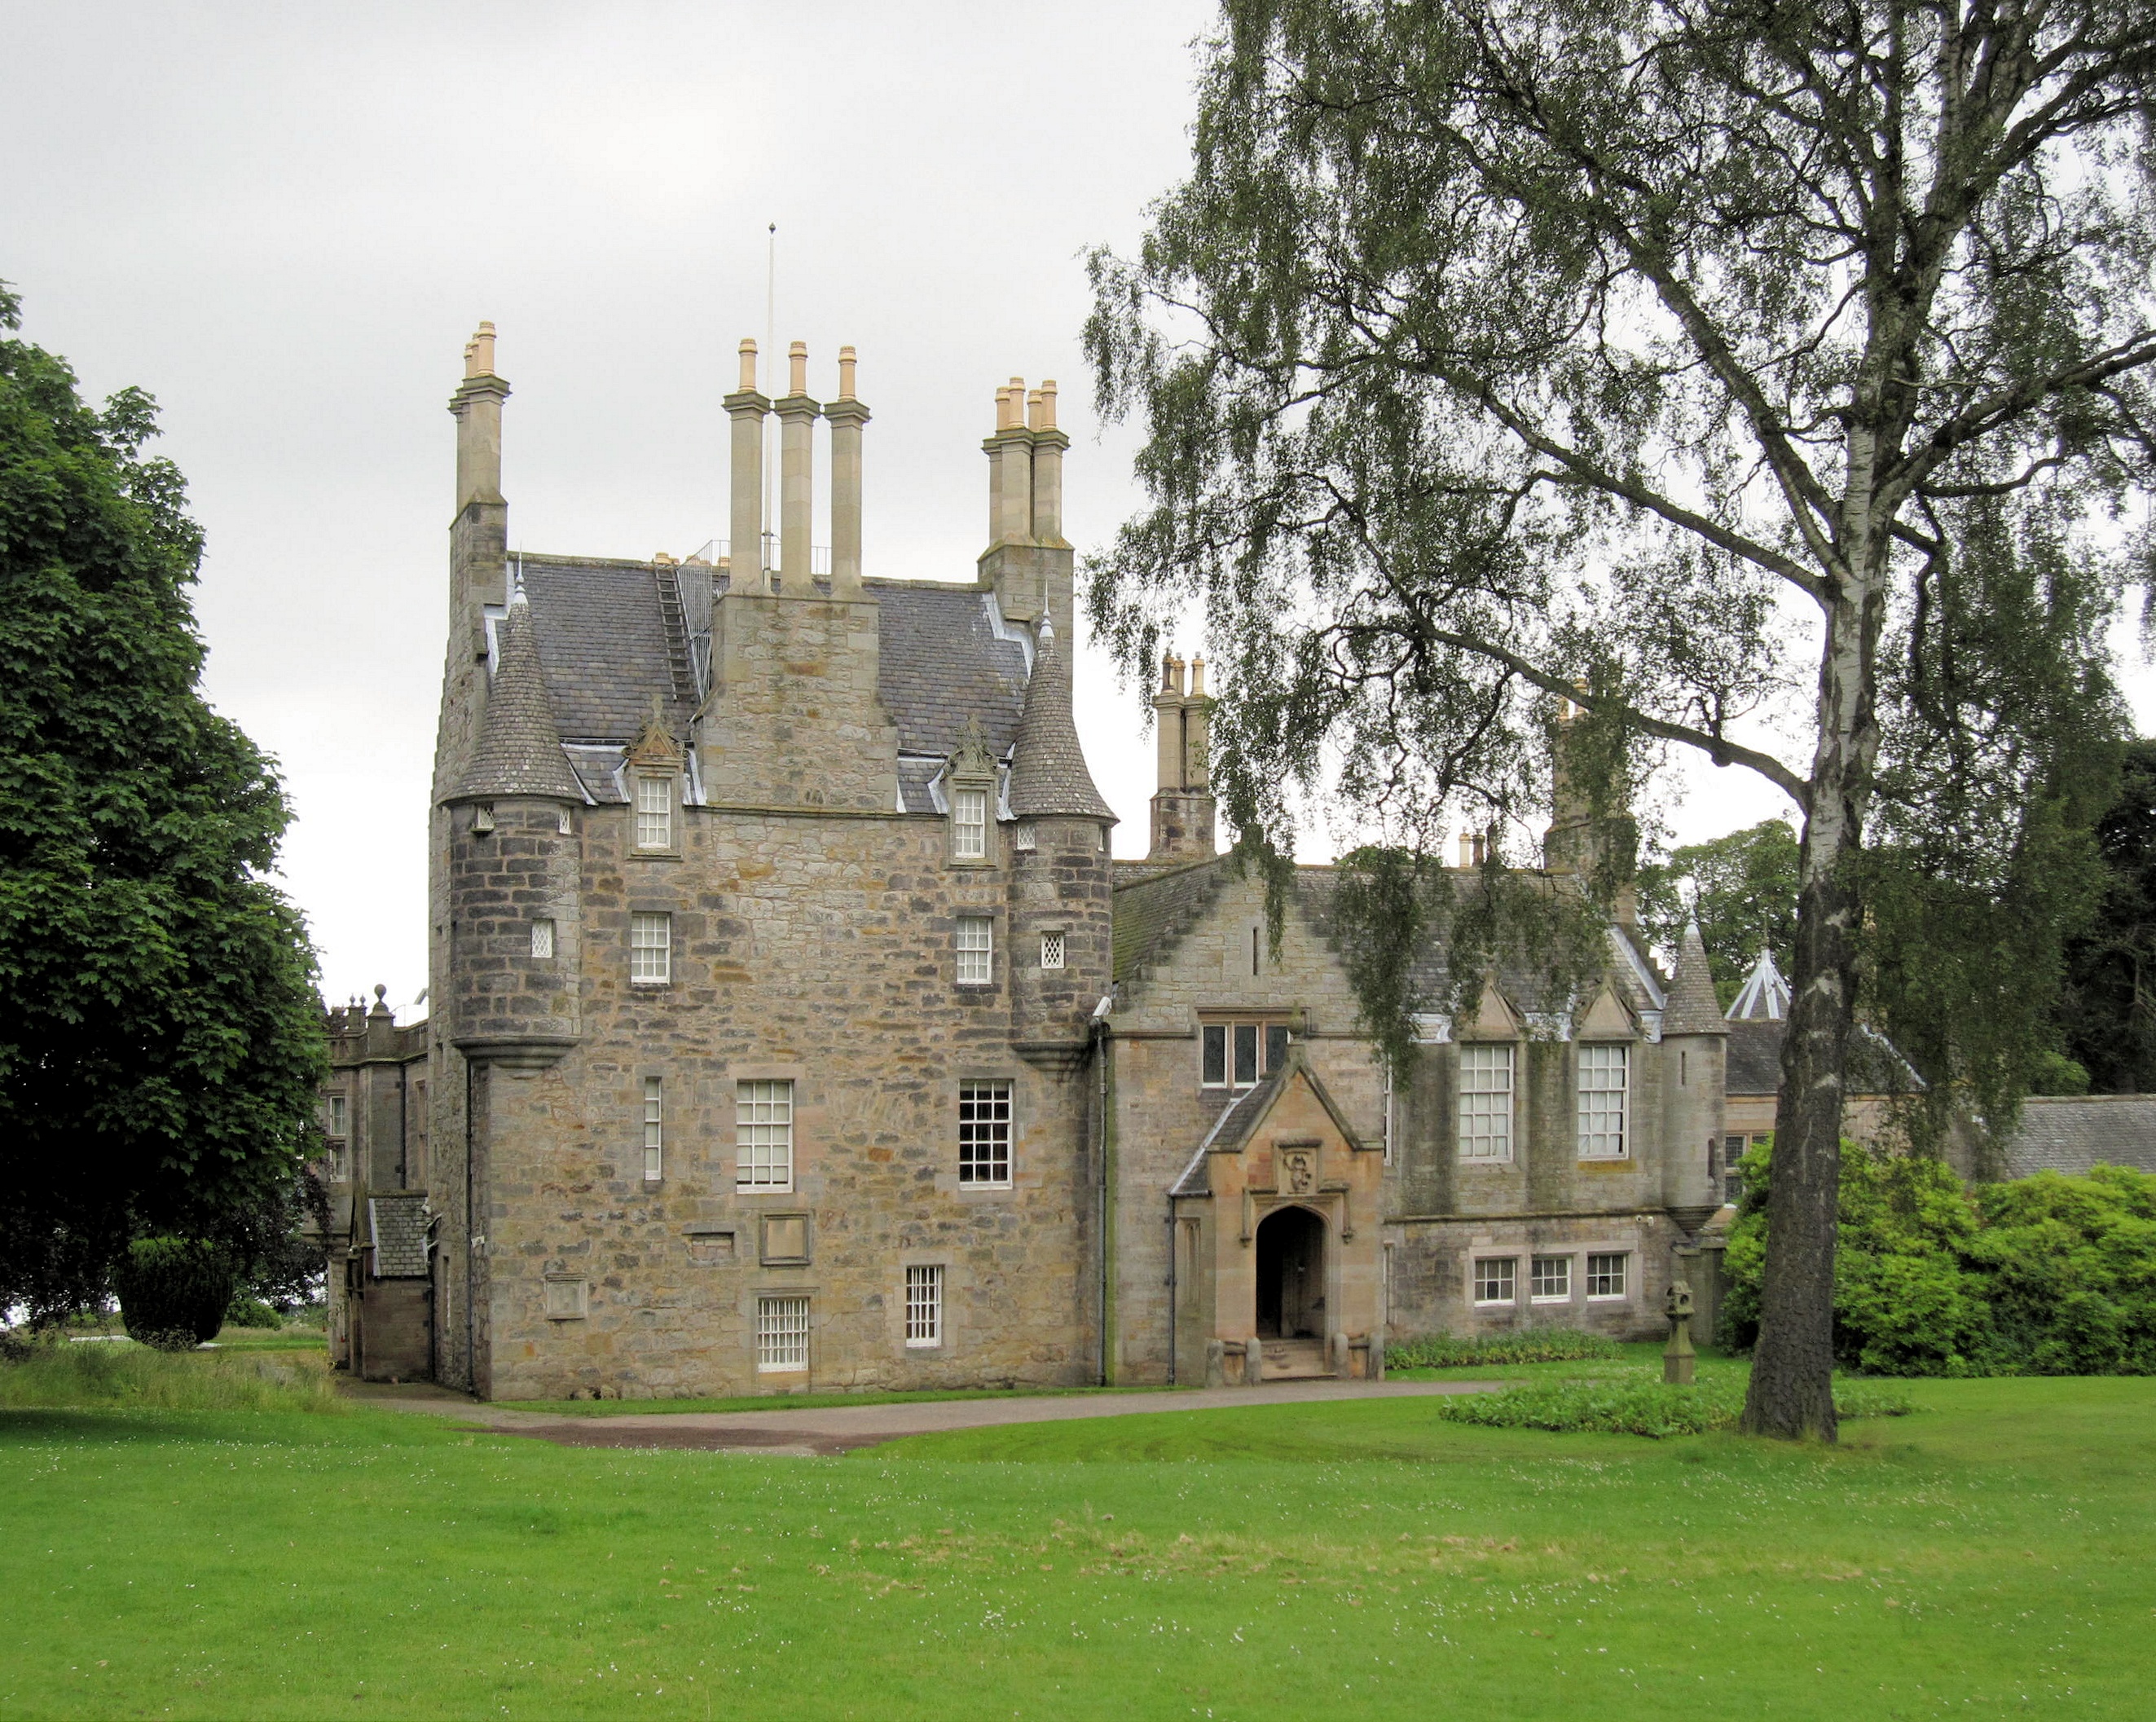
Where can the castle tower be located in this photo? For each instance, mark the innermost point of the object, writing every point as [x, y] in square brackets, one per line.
[1182, 805]
[1600, 850]
[1060, 893]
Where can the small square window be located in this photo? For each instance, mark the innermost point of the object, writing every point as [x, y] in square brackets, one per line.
[1550, 1281]
[924, 1305]
[1051, 950]
[781, 1333]
[1213, 1065]
[655, 813]
[969, 824]
[542, 938]
[650, 948]
[763, 1135]
[1606, 1276]
[976, 950]
[1023, 839]
[984, 1135]
[562, 824]
[1494, 1282]
[653, 1115]
[785, 1237]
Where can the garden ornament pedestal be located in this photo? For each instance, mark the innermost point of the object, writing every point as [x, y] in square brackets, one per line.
[1678, 1358]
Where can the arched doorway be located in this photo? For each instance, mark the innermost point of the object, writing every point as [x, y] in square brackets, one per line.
[1291, 1275]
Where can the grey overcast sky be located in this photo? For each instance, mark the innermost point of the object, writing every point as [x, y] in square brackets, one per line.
[284, 221]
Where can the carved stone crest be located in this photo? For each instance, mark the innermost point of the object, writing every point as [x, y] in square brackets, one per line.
[1296, 1168]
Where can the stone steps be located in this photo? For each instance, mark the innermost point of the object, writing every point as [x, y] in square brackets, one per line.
[1294, 1359]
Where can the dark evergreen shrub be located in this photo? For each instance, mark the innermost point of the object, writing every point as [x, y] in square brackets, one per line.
[173, 1291]
[246, 1312]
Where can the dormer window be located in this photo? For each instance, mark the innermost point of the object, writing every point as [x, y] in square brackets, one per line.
[969, 824]
[655, 813]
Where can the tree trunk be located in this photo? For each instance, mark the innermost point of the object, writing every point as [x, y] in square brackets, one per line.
[1792, 1389]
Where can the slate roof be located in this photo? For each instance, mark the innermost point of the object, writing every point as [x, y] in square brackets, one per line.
[1154, 911]
[397, 1228]
[519, 751]
[1754, 1063]
[942, 662]
[2071, 1134]
[1692, 1008]
[1242, 1114]
[1048, 767]
[603, 636]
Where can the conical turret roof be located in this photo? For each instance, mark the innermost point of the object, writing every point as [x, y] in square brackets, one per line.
[1765, 996]
[1692, 1008]
[519, 750]
[1048, 767]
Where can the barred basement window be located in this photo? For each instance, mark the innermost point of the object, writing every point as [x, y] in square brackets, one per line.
[655, 813]
[924, 1306]
[781, 1333]
[1486, 1102]
[542, 938]
[650, 949]
[763, 1135]
[984, 1134]
[1606, 1276]
[1550, 1281]
[653, 1115]
[976, 950]
[1051, 950]
[969, 824]
[1602, 1085]
[1494, 1279]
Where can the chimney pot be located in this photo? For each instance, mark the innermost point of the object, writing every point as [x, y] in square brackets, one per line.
[1047, 404]
[797, 368]
[748, 367]
[1032, 411]
[846, 363]
[1198, 678]
[480, 355]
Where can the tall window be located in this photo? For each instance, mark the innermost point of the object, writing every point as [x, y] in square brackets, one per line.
[976, 950]
[654, 1124]
[655, 813]
[781, 1333]
[1602, 1083]
[1486, 1102]
[650, 948]
[1550, 1280]
[1494, 1282]
[1606, 1276]
[984, 1134]
[340, 1116]
[924, 1306]
[340, 1145]
[542, 938]
[969, 824]
[1242, 1051]
[763, 1135]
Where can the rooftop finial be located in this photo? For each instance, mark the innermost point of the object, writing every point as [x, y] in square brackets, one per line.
[748, 366]
[846, 363]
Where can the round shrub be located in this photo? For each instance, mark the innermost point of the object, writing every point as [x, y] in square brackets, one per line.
[173, 1291]
[248, 1312]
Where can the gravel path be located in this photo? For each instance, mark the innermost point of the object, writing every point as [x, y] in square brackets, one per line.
[838, 1429]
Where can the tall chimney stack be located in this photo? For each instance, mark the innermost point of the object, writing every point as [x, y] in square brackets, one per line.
[745, 407]
[1048, 446]
[477, 405]
[1182, 805]
[797, 424]
[847, 415]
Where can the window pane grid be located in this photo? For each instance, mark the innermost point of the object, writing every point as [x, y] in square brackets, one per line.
[1606, 1276]
[650, 947]
[1602, 1080]
[984, 1133]
[781, 1332]
[1494, 1281]
[1486, 1102]
[976, 950]
[1551, 1278]
[654, 1116]
[763, 1135]
[969, 824]
[924, 1306]
[655, 813]
[542, 938]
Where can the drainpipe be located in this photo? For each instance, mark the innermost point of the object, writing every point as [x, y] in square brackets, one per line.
[471, 1271]
[1171, 1292]
[1103, 1218]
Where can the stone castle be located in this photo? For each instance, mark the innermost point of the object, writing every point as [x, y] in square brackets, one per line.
[793, 1027]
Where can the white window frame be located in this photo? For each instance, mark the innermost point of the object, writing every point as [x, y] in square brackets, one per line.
[654, 1128]
[1549, 1279]
[969, 824]
[339, 1124]
[1623, 1274]
[1483, 1110]
[975, 941]
[763, 1134]
[542, 937]
[1051, 950]
[651, 947]
[654, 812]
[1505, 1271]
[987, 1125]
[924, 1305]
[1595, 1140]
[340, 1161]
[781, 1333]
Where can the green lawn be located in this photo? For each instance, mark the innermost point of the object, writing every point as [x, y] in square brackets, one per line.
[1995, 1553]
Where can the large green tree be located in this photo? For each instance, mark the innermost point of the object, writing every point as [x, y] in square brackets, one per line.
[1741, 888]
[160, 1038]
[1654, 367]
[2108, 1013]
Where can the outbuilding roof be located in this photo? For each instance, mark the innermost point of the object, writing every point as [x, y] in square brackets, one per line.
[2071, 1134]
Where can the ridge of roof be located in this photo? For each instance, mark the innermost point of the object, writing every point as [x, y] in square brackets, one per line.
[1693, 1007]
[519, 749]
[1047, 766]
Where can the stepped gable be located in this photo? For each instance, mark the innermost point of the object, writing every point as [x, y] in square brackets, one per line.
[1155, 910]
[1693, 1008]
[1048, 767]
[519, 750]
